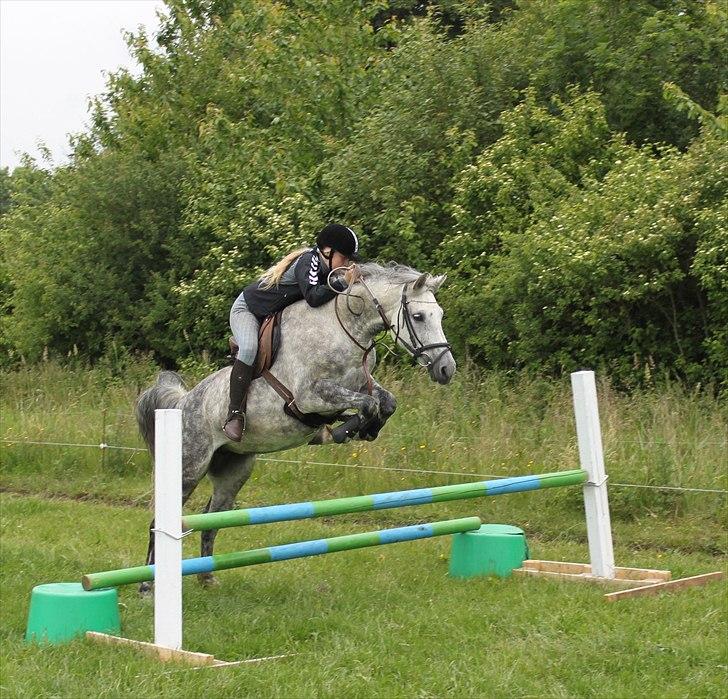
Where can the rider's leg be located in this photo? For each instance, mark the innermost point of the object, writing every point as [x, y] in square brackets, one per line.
[245, 329]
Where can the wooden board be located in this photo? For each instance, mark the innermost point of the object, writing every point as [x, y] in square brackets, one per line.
[584, 569]
[581, 577]
[251, 661]
[197, 660]
[655, 589]
[159, 652]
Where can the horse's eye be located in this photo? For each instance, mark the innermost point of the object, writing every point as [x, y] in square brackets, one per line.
[417, 316]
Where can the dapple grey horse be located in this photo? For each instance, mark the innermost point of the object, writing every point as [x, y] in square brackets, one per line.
[320, 361]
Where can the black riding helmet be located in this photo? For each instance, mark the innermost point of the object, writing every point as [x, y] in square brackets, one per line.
[339, 238]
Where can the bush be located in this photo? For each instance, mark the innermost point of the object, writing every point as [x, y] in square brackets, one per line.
[602, 271]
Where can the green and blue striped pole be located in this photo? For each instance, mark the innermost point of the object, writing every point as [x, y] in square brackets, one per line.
[380, 501]
[272, 554]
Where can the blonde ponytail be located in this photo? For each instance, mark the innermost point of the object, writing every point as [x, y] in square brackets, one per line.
[273, 276]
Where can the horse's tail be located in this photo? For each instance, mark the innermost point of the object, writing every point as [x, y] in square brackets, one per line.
[165, 393]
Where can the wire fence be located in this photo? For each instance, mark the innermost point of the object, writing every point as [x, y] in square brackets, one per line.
[305, 462]
[646, 443]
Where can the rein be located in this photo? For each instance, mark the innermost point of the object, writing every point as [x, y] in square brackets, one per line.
[365, 350]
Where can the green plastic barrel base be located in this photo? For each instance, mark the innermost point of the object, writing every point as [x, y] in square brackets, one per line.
[494, 549]
[60, 612]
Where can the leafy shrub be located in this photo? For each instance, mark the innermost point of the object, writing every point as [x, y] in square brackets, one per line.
[609, 273]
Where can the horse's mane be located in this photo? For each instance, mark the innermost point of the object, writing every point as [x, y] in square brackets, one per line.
[392, 272]
[396, 274]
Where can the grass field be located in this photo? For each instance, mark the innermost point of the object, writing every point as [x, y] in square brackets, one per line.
[384, 622]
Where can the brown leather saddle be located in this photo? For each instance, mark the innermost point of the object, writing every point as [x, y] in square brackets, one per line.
[269, 340]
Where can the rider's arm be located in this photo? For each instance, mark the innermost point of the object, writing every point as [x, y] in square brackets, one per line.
[307, 276]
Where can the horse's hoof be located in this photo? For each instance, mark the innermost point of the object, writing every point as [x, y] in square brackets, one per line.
[146, 589]
[208, 580]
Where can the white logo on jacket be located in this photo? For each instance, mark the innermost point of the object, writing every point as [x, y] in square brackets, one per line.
[313, 271]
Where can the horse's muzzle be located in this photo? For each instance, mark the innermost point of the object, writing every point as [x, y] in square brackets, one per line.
[443, 369]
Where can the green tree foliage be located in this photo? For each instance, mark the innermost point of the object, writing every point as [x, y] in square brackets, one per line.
[5, 190]
[562, 160]
[75, 241]
[583, 268]
[626, 51]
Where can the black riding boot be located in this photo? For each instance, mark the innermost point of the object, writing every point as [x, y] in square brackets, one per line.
[240, 377]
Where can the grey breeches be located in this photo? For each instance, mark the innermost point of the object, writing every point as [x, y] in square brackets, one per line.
[245, 330]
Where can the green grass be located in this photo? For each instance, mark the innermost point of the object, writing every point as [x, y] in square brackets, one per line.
[383, 622]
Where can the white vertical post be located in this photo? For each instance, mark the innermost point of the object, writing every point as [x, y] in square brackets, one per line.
[168, 528]
[591, 456]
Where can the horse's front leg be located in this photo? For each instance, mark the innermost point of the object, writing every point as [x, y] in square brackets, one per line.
[326, 396]
[387, 405]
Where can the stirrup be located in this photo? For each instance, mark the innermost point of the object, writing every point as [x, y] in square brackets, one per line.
[235, 415]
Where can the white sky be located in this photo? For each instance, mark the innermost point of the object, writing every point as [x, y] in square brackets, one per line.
[53, 55]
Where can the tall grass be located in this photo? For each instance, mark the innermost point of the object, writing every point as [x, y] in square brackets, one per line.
[387, 622]
[483, 424]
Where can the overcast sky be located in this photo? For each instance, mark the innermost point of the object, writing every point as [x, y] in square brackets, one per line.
[53, 54]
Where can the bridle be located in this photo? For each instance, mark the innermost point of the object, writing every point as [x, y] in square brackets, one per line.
[416, 350]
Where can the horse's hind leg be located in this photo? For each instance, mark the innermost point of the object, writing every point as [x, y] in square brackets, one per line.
[195, 462]
[228, 473]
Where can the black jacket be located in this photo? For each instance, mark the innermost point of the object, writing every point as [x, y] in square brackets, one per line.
[310, 283]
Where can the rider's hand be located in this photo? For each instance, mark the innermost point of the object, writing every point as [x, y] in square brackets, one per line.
[338, 283]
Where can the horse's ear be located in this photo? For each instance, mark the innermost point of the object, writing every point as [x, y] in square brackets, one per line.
[420, 283]
[436, 282]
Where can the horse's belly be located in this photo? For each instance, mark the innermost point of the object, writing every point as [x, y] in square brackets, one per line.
[262, 444]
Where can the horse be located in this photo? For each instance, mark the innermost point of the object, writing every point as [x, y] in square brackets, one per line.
[325, 358]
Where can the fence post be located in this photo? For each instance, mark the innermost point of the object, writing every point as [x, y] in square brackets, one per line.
[591, 456]
[102, 444]
[168, 528]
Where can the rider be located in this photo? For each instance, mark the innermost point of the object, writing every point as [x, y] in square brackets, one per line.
[301, 274]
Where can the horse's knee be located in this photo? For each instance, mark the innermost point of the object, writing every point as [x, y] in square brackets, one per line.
[323, 436]
[369, 406]
[387, 405]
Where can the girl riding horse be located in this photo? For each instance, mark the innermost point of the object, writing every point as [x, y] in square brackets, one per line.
[302, 274]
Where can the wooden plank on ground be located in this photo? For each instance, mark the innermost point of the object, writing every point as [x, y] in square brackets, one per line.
[251, 661]
[655, 589]
[584, 569]
[159, 652]
[197, 660]
[580, 577]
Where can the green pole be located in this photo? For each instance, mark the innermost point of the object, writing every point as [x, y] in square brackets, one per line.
[272, 554]
[380, 501]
